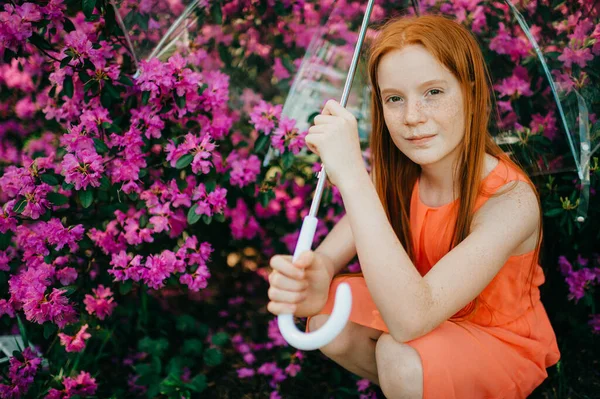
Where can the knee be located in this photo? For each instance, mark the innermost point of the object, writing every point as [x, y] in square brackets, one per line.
[340, 344]
[399, 369]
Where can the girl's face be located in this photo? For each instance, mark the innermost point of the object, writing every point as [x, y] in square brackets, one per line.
[422, 105]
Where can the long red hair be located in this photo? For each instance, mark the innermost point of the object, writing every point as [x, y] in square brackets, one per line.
[394, 173]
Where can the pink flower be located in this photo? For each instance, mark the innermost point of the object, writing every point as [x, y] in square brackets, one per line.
[244, 171]
[576, 56]
[83, 385]
[196, 280]
[245, 372]
[83, 169]
[66, 275]
[516, 85]
[101, 303]
[77, 342]
[363, 384]
[280, 71]
[287, 135]
[54, 308]
[595, 323]
[264, 115]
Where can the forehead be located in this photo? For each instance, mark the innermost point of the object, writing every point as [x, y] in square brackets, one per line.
[410, 66]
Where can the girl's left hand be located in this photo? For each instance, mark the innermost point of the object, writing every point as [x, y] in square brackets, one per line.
[334, 138]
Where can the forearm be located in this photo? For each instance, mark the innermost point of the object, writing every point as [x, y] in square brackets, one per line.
[338, 245]
[395, 285]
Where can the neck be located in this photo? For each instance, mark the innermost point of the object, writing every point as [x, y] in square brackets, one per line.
[437, 180]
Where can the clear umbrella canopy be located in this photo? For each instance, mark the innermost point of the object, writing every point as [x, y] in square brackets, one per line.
[158, 28]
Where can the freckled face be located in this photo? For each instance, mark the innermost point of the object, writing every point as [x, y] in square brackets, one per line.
[423, 105]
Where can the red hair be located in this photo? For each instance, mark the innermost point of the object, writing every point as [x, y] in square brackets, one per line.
[394, 174]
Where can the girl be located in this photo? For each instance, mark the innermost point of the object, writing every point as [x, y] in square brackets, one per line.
[447, 230]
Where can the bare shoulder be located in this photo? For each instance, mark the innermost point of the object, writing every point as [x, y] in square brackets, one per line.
[514, 209]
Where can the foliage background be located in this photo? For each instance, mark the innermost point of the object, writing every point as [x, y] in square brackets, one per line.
[153, 188]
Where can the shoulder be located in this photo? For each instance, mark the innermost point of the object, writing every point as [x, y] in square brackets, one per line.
[514, 209]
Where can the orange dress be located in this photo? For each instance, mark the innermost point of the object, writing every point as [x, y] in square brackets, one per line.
[501, 350]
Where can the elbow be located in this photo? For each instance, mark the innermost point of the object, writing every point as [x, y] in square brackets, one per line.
[414, 322]
[407, 330]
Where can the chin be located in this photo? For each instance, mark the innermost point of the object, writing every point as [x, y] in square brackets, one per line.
[424, 158]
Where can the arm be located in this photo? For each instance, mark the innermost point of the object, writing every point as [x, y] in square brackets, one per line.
[338, 245]
[412, 305]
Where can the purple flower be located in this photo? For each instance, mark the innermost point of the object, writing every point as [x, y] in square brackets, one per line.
[196, 280]
[595, 323]
[578, 281]
[565, 266]
[576, 56]
[21, 374]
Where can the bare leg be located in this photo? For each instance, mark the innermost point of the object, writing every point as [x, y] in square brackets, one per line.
[353, 349]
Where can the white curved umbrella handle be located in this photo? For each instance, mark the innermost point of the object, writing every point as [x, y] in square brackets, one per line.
[341, 308]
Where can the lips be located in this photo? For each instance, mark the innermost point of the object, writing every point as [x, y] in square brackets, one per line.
[421, 139]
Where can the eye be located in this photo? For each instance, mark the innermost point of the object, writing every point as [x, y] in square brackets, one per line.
[390, 98]
[435, 91]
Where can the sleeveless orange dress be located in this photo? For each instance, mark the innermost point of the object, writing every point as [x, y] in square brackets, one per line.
[503, 348]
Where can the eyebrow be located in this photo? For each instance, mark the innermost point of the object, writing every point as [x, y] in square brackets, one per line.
[429, 82]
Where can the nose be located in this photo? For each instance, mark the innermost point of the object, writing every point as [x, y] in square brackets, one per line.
[413, 113]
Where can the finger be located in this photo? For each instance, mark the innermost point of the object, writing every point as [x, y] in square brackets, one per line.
[334, 108]
[286, 267]
[323, 119]
[278, 308]
[305, 259]
[283, 282]
[277, 295]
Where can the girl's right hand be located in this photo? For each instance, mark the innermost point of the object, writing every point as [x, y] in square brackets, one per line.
[300, 288]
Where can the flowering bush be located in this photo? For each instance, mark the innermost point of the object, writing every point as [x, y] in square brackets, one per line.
[137, 218]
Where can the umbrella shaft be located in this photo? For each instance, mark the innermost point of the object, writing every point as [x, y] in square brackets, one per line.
[314, 208]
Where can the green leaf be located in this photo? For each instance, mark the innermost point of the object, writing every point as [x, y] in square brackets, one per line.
[65, 61]
[261, 143]
[220, 217]
[68, 25]
[198, 383]
[145, 97]
[192, 347]
[67, 186]
[22, 331]
[180, 101]
[553, 212]
[192, 217]
[213, 357]
[40, 42]
[5, 239]
[220, 339]
[125, 80]
[100, 145]
[20, 206]
[104, 183]
[57, 199]
[216, 13]
[87, 7]
[51, 180]
[288, 159]
[207, 219]
[49, 329]
[155, 347]
[86, 197]
[185, 323]
[125, 287]
[184, 161]
[68, 86]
